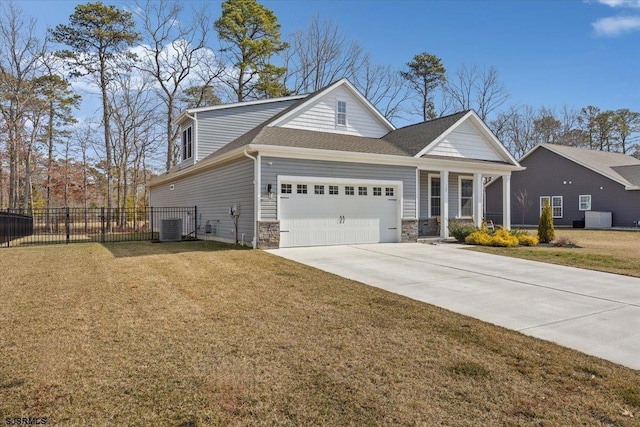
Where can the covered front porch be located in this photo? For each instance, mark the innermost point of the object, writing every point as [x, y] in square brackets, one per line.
[446, 194]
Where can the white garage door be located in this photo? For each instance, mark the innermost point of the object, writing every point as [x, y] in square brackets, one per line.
[336, 213]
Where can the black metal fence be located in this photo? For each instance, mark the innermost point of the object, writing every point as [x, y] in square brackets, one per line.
[76, 225]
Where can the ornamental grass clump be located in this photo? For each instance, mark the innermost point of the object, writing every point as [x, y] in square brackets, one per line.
[460, 230]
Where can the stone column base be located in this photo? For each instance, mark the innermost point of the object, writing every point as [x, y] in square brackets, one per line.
[268, 235]
[409, 230]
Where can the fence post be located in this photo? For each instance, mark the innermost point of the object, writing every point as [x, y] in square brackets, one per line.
[102, 224]
[66, 223]
[195, 216]
[151, 222]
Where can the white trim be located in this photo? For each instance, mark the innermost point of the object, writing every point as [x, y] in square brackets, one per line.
[473, 196]
[477, 199]
[497, 145]
[417, 193]
[444, 204]
[346, 113]
[580, 202]
[429, 195]
[541, 206]
[561, 206]
[506, 202]
[329, 89]
[188, 111]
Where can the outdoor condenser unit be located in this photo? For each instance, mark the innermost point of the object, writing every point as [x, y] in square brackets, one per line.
[171, 229]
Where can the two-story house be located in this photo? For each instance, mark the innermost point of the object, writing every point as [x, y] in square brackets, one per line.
[328, 168]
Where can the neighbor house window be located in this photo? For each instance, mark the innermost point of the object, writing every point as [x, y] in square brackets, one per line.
[341, 116]
[585, 202]
[377, 191]
[434, 196]
[302, 188]
[544, 200]
[466, 197]
[187, 143]
[556, 206]
[362, 191]
[318, 189]
[333, 190]
[349, 191]
[285, 188]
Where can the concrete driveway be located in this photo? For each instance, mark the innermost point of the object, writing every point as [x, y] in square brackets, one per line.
[595, 313]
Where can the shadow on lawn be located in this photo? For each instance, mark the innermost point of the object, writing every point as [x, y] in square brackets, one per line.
[144, 248]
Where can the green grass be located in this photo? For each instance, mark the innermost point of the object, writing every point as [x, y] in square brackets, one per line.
[201, 334]
[610, 251]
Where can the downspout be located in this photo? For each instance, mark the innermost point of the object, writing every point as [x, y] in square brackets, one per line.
[256, 192]
[194, 143]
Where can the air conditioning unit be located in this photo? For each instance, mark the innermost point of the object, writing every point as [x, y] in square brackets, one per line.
[171, 229]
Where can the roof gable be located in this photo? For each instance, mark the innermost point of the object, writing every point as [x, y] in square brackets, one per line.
[318, 112]
[461, 135]
[618, 167]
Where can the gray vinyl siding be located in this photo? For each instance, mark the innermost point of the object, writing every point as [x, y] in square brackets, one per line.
[549, 174]
[217, 128]
[454, 192]
[214, 191]
[297, 167]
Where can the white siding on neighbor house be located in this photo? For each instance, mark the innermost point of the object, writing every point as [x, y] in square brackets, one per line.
[320, 115]
[217, 128]
[466, 141]
[326, 169]
[214, 192]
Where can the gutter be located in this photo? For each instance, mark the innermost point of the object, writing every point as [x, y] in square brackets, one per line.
[256, 186]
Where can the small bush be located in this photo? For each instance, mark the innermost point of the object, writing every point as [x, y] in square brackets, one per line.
[564, 241]
[500, 237]
[460, 230]
[546, 232]
[527, 240]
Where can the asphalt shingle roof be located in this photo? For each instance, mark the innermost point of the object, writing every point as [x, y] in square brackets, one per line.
[618, 166]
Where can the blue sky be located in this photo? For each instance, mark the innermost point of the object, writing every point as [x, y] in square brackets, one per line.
[547, 52]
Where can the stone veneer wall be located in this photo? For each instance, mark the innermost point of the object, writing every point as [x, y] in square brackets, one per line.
[268, 234]
[409, 230]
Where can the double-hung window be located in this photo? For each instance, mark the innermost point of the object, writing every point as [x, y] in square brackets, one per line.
[466, 197]
[434, 195]
[584, 202]
[341, 113]
[187, 143]
[556, 205]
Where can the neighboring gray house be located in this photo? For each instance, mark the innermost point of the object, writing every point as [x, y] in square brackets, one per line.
[328, 168]
[576, 182]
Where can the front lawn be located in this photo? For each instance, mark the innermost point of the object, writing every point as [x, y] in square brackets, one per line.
[612, 251]
[200, 334]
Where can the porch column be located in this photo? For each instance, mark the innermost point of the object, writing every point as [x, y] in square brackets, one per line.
[444, 204]
[506, 202]
[478, 202]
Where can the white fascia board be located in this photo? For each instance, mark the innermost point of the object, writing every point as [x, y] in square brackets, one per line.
[384, 159]
[328, 90]
[483, 129]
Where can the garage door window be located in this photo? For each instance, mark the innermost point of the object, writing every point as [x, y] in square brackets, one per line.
[362, 191]
[302, 189]
[318, 189]
[333, 190]
[388, 191]
[349, 191]
[285, 188]
[377, 191]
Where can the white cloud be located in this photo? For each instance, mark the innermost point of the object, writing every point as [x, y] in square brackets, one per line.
[616, 25]
[621, 3]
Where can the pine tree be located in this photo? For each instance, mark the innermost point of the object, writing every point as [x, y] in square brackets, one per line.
[546, 232]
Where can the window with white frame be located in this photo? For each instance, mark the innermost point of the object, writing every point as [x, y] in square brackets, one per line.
[318, 189]
[466, 197]
[388, 191]
[584, 202]
[187, 143]
[285, 188]
[377, 191]
[333, 190]
[556, 206]
[544, 200]
[434, 195]
[349, 190]
[301, 189]
[341, 113]
[362, 191]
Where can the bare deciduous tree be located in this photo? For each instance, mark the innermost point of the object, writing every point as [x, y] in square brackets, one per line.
[471, 88]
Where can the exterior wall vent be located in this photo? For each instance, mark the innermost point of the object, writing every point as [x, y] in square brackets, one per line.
[171, 230]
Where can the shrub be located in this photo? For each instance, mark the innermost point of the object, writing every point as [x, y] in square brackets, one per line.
[546, 232]
[528, 240]
[500, 237]
[460, 230]
[564, 241]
